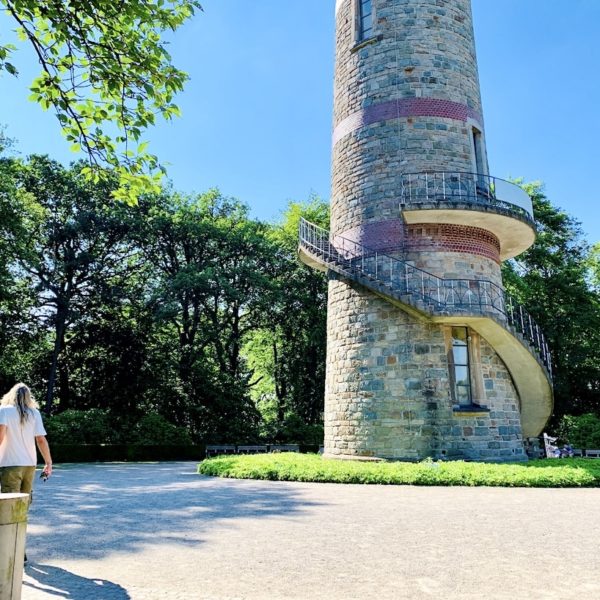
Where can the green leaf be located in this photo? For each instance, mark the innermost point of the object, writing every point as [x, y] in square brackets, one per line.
[11, 68]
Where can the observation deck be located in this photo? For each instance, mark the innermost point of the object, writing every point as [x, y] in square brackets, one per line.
[474, 199]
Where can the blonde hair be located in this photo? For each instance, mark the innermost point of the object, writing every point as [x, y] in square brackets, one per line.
[20, 397]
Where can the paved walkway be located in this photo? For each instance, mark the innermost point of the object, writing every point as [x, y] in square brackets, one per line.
[158, 531]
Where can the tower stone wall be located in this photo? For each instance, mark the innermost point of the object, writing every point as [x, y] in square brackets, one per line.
[388, 392]
[402, 103]
[407, 100]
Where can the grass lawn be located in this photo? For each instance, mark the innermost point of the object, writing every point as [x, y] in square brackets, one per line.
[553, 473]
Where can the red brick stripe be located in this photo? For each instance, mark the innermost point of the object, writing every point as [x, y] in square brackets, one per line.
[404, 108]
[453, 238]
[393, 236]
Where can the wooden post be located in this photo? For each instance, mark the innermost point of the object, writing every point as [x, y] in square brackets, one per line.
[13, 524]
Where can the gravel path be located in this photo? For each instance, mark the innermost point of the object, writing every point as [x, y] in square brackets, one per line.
[159, 531]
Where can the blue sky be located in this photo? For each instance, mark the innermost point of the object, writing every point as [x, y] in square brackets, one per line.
[257, 111]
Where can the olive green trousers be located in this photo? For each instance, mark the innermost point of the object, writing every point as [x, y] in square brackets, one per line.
[15, 480]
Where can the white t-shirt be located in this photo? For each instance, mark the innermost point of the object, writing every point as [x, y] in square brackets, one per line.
[18, 447]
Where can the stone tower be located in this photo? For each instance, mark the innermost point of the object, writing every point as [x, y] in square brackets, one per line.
[427, 356]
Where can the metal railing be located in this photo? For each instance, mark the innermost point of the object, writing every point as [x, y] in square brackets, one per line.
[421, 289]
[469, 188]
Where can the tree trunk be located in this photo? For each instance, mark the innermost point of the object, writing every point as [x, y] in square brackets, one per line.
[63, 383]
[61, 320]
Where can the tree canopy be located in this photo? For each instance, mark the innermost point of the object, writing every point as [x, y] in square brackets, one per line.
[553, 280]
[181, 306]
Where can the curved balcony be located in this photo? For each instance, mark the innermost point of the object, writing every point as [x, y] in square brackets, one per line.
[494, 204]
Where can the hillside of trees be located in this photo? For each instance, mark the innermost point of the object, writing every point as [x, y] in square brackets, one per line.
[183, 318]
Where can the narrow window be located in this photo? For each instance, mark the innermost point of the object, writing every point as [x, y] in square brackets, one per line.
[364, 20]
[461, 367]
[478, 150]
[481, 181]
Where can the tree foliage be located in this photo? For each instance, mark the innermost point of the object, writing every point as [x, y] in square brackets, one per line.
[288, 354]
[74, 242]
[581, 431]
[156, 309]
[552, 279]
[106, 73]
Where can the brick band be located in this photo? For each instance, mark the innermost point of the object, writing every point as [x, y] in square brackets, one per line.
[394, 236]
[453, 238]
[404, 108]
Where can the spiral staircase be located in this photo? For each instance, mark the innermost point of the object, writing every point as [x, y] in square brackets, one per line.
[479, 304]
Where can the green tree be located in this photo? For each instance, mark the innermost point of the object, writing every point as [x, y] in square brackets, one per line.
[106, 73]
[288, 355]
[113, 359]
[21, 341]
[211, 288]
[594, 266]
[552, 280]
[582, 431]
[76, 243]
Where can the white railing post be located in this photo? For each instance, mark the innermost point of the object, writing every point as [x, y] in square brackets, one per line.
[530, 328]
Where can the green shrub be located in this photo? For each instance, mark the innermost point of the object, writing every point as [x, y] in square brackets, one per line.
[580, 431]
[311, 467]
[97, 426]
[123, 452]
[154, 429]
[296, 431]
[92, 426]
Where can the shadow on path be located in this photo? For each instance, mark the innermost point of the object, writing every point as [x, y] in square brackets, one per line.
[93, 510]
[63, 584]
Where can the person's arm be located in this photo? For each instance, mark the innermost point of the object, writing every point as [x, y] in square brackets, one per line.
[2, 433]
[42, 444]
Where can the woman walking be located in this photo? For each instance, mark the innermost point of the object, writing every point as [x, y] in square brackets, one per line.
[21, 428]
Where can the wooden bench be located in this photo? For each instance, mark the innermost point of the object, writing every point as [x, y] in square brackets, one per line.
[284, 448]
[592, 453]
[577, 452]
[219, 450]
[251, 449]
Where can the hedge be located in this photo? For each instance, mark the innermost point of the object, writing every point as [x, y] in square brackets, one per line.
[75, 453]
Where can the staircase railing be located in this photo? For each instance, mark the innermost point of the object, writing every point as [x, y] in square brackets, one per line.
[421, 289]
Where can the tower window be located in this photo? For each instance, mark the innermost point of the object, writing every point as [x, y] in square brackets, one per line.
[478, 152]
[461, 369]
[364, 19]
[481, 180]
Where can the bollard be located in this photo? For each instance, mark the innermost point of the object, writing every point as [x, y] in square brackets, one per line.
[13, 525]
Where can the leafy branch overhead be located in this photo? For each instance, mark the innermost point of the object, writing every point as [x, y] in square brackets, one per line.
[106, 73]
